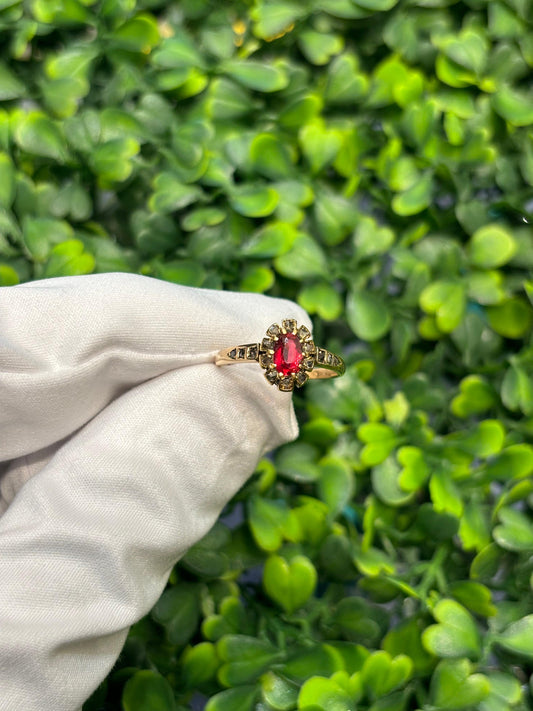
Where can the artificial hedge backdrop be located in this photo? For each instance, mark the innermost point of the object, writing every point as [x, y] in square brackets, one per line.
[372, 159]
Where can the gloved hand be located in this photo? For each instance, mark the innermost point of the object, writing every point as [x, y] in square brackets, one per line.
[120, 443]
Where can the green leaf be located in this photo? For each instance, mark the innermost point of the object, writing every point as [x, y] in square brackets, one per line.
[321, 693]
[178, 609]
[517, 390]
[111, 160]
[414, 199]
[486, 287]
[368, 315]
[319, 47]
[512, 318]
[270, 522]
[254, 201]
[335, 217]
[346, 84]
[505, 688]
[396, 409]
[289, 583]
[456, 635]
[336, 485]
[322, 299]
[445, 494]
[171, 194]
[377, 5]
[71, 62]
[36, 134]
[67, 12]
[257, 279]
[475, 596]
[203, 217]
[199, 664]
[204, 558]
[10, 86]
[514, 106]
[183, 271]
[491, 246]
[370, 239]
[474, 530]
[357, 620]
[469, 49]
[147, 689]
[41, 234]
[381, 673]
[385, 482]
[138, 34]
[453, 74]
[516, 638]
[305, 259]
[301, 111]
[387, 75]
[177, 51]
[341, 8]
[405, 639]
[403, 174]
[455, 129]
[69, 259]
[476, 396]
[242, 698]
[415, 470]
[515, 533]
[278, 692]
[270, 157]
[484, 441]
[319, 144]
[418, 122]
[379, 441]
[454, 687]
[231, 620]
[257, 75]
[373, 562]
[227, 100]
[487, 563]
[446, 300]
[245, 658]
[514, 462]
[273, 18]
[7, 180]
[311, 517]
[297, 461]
[8, 276]
[503, 22]
[272, 240]
[434, 525]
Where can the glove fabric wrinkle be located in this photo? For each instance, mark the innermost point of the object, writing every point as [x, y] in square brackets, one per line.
[120, 443]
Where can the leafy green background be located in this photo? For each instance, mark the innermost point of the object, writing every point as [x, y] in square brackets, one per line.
[372, 159]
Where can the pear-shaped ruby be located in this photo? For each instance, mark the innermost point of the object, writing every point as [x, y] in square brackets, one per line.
[287, 353]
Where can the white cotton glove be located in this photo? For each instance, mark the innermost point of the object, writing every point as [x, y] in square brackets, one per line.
[120, 443]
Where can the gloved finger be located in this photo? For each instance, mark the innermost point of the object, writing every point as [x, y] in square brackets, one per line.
[68, 346]
[14, 474]
[87, 545]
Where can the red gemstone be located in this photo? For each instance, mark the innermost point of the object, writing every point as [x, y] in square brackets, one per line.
[287, 354]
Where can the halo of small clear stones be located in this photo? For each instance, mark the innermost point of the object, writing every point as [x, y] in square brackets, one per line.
[301, 378]
[289, 325]
[268, 344]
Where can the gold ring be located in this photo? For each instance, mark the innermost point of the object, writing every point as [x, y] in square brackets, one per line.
[288, 355]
